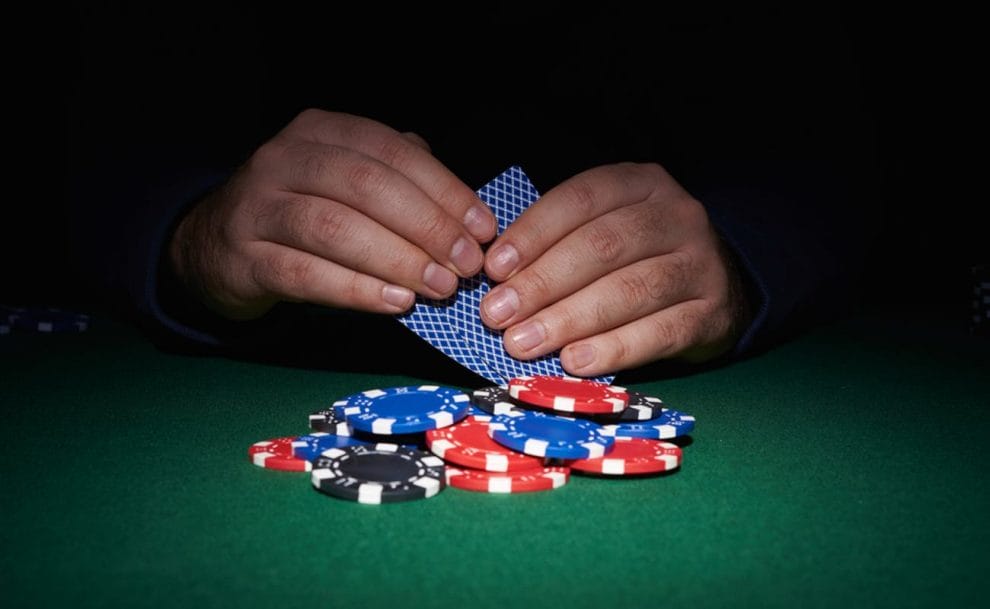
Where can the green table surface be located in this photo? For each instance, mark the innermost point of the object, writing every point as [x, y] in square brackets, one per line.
[847, 468]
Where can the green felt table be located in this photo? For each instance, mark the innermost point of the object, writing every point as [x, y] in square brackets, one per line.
[846, 468]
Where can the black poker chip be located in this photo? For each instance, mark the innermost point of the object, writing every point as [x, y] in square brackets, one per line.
[495, 400]
[380, 473]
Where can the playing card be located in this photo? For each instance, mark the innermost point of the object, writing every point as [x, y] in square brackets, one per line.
[507, 195]
[454, 325]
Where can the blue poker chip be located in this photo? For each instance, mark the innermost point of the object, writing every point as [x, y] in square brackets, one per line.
[403, 410]
[670, 424]
[549, 436]
[311, 446]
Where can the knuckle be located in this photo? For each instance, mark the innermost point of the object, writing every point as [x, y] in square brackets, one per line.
[331, 225]
[367, 179]
[614, 352]
[281, 274]
[533, 284]
[266, 155]
[316, 165]
[663, 333]
[435, 228]
[395, 151]
[636, 289]
[605, 242]
[581, 197]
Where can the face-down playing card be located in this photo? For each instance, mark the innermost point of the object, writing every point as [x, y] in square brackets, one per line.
[463, 336]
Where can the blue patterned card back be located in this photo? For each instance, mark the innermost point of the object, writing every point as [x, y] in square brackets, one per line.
[454, 325]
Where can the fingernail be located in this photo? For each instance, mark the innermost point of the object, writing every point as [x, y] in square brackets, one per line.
[501, 304]
[398, 296]
[439, 279]
[466, 256]
[581, 356]
[478, 222]
[527, 336]
[504, 260]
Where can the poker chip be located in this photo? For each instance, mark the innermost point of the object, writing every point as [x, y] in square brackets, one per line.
[277, 454]
[494, 399]
[633, 456]
[331, 420]
[46, 320]
[544, 435]
[670, 424]
[474, 411]
[379, 473]
[400, 410]
[467, 444]
[568, 394]
[641, 407]
[311, 446]
[542, 479]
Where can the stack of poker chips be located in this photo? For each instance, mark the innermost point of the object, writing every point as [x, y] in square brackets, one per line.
[44, 320]
[403, 443]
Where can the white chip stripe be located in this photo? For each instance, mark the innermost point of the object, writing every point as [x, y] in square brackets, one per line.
[443, 419]
[260, 458]
[373, 393]
[594, 449]
[642, 412]
[613, 466]
[670, 460]
[496, 463]
[441, 446]
[558, 478]
[429, 387]
[431, 486]
[319, 475]
[665, 432]
[382, 426]
[563, 403]
[431, 461]
[500, 485]
[535, 447]
[370, 492]
[617, 404]
[462, 397]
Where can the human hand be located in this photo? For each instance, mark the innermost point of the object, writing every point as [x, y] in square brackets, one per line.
[618, 266]
[336, 210]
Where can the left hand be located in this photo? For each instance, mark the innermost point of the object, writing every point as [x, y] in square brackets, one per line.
[618, 266]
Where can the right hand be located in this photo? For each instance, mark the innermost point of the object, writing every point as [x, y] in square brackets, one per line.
[336, 210]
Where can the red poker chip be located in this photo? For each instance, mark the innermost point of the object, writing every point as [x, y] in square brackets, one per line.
[277, 454]
[568, 394]
[467, 443]
[633, 456]
[543, 479]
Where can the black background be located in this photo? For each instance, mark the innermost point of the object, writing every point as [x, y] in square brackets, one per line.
[125, 87]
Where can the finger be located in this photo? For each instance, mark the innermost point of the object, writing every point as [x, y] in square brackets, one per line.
[411, 159]
[670, 332]
[383, 194]
[417, 140]
[610, 242]
[299, 276]
[623, 296]
[573, 203]
[336, 232]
